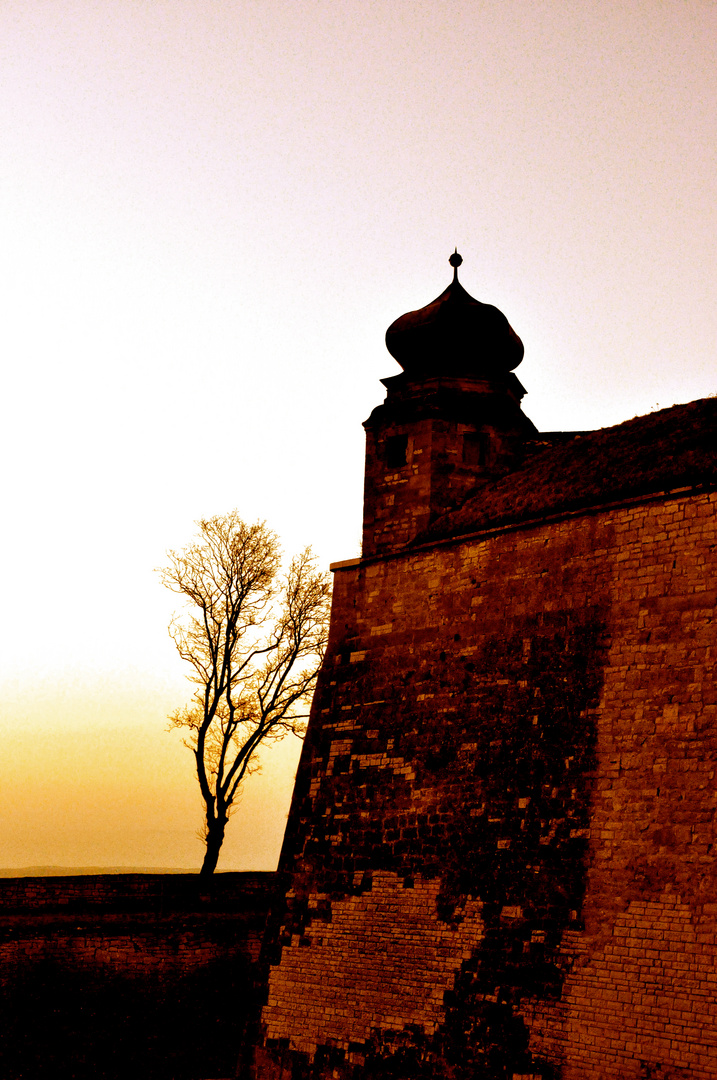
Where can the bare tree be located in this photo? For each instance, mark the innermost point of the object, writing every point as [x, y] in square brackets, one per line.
[254, 640]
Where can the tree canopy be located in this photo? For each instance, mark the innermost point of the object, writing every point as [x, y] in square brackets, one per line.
[254, 638]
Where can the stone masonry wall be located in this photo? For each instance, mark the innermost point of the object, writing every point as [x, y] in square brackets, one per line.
[137, 924]
[502, 835]
[143, 975]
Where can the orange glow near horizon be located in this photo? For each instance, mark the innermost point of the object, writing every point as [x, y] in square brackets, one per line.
[209, 216]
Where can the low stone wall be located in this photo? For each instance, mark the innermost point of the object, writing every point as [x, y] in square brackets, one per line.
[136, 923]
[149, 974]
[229, 891]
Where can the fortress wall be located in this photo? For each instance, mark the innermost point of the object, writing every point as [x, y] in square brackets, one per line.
[128, 975]
[134, 924]
[501, 838]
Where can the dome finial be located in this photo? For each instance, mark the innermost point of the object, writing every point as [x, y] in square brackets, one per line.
[454, 335]
[455, 260]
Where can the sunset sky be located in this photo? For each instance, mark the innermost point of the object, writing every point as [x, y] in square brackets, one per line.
[210, 212]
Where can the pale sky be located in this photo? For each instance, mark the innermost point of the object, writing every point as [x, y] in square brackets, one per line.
[210, 212]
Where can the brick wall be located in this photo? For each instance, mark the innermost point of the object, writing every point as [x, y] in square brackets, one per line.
[142, 974]
[501, 840]
[135, 923]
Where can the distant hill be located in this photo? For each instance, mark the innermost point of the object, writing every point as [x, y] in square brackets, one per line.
[76, 871]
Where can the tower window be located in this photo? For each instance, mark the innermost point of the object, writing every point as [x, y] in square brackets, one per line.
[473, 449]
[396, 451]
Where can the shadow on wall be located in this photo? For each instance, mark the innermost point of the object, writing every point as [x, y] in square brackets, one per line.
[537, 781]
[58, 1024]
[492, 751]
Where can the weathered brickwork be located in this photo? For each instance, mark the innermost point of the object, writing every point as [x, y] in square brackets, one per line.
[645, 1003]
[134, 924]
[362, 980]
[141, 975]
[511, 762]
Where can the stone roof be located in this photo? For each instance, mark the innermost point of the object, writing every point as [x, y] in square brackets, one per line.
[673, 448]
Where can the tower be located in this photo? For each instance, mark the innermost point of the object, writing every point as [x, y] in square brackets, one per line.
[451, 420]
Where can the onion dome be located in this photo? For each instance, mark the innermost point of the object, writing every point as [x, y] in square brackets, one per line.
[455, 335]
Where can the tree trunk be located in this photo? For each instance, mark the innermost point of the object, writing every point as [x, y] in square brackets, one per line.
[214, 841]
